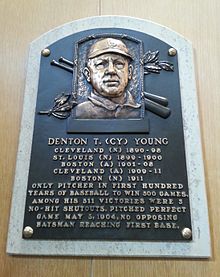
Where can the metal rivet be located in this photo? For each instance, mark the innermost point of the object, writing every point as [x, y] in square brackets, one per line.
[28, 232]
[45, 52]
[186, 233]
[172, 52]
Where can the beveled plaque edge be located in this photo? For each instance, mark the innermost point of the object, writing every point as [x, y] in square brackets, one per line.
[200, 246]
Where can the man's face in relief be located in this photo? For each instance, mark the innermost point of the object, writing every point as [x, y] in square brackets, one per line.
[108, 68]
[109, 74]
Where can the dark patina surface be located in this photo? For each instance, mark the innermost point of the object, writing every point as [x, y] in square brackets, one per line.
[129, 175]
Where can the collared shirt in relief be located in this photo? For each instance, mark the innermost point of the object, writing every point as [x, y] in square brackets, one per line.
[100, 107]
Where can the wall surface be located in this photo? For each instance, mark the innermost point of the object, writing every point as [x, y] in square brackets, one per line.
[21, 21]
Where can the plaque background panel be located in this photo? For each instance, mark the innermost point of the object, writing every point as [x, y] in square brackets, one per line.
[21, 22]
[166, 84]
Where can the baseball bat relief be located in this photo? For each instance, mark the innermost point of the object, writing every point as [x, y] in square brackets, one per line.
[157, 109]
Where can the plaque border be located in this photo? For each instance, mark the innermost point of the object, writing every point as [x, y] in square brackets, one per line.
[200, 246]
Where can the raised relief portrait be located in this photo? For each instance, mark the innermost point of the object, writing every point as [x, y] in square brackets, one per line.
[108, 69]
[108, 83]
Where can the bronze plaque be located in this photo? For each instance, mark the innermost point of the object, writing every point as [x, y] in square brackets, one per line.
[108, 156]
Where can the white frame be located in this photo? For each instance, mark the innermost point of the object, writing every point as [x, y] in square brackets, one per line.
[200, 246]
